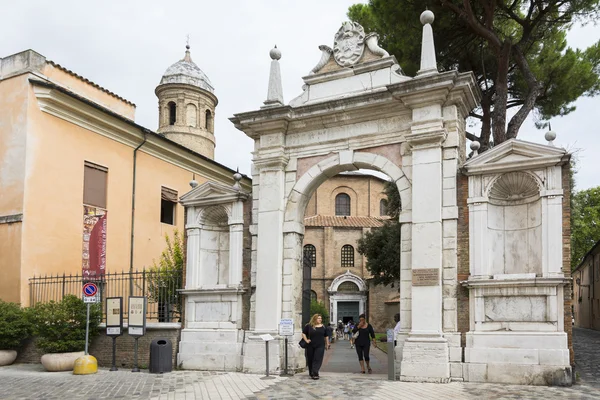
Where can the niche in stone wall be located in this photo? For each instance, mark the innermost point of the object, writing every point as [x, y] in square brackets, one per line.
[214, 247]
[515, 225]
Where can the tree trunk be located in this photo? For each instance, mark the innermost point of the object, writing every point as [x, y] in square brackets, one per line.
[501, 98]
[532, 95]
[486, 121]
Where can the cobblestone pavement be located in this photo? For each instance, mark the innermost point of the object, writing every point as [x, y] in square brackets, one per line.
[339, 380]
[30, 381]
[586, 344]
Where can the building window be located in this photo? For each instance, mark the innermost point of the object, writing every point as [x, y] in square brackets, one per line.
[208, 121]
[313, 295]
[172, 113]
[94, 185]
[310, 256]
[168, 204]
[348, 286]
[347, 256]
[383, 207]
[342, 204]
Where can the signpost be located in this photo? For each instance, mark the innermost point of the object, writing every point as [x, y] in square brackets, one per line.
[390, 354]
[267, 338]
[136, 324]
[286, 329]
[114, 324]
[89, 296]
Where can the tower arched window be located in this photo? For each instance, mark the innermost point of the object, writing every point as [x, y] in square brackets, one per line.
[310, 256]
[347, 256]
[208, 121]
[383, 207]
[313, 295]
[172, 113]
[342, 204]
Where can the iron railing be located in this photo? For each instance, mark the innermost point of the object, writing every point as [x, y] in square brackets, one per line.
[159, 286]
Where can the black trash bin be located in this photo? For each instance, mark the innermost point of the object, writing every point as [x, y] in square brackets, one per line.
[161, 356]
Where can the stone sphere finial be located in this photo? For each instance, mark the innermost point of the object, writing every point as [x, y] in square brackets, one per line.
[427, 17]
[550, 136]
[275, 53]
[475, 145]
[237, 177]
[193, 183]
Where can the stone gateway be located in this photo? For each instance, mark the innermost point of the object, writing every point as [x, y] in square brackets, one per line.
[358, 110]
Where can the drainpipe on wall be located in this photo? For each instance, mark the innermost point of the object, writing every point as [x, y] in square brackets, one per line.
[133, 213]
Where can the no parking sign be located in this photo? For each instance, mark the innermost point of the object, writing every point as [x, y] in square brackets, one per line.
[90, 290]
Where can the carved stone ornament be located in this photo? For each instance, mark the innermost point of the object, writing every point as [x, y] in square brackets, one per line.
[349, 44]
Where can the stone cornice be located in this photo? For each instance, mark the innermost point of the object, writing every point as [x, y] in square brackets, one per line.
[449, 88]
[537, 282]
[274, 163]
[61, 103]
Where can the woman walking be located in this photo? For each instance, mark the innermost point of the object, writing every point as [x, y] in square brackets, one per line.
[363, 342]
[317, 338]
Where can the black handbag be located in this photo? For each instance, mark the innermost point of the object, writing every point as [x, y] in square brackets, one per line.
[302, 343]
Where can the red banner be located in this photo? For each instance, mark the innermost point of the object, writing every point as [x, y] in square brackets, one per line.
[95, 264]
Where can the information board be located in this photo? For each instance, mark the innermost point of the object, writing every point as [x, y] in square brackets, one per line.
[286, 327]
[137, 316]
[114, 316]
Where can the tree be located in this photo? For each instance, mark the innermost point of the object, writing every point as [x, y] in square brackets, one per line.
[381, 246]
[317, 307]
[516, 49]
[166, 278]
[585, 223]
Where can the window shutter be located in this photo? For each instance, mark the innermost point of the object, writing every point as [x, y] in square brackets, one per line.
[168, 194]
[94, 185]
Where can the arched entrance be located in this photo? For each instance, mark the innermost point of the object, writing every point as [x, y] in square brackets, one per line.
[347, 298]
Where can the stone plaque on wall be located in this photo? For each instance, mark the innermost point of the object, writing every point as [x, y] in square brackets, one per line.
[426, 277]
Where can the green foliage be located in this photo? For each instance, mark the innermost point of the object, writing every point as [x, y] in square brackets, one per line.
[60, 327]
[585, 223]
[381, 246]
[317, 307]
[166, 277]
[538, 72]
[15, 325]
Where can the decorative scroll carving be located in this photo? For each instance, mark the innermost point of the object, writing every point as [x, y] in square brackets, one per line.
[325, 56]
[349, 44]
[372, 44]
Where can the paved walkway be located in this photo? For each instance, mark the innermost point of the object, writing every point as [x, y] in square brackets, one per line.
[586, 344]
[339, 380]
[342, 359]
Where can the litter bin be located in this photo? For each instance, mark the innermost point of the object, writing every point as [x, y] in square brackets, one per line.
[161, 356]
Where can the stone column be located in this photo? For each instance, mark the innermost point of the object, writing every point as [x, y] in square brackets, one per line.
[192, 272]
[270, 243]
[236, 245]
[425, 351]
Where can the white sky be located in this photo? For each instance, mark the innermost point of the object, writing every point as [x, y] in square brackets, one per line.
[125, 46]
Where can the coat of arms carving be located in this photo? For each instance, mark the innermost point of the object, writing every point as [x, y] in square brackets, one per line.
[349, 44]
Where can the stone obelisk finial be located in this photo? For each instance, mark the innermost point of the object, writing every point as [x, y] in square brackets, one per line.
[275, 92]
[428, 60]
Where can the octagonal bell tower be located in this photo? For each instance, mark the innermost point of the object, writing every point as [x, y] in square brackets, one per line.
[186, 106]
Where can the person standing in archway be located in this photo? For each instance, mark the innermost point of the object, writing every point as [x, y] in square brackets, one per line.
[363, 333]
[317, 340]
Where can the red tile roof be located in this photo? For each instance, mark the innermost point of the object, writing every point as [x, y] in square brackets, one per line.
[346, 222]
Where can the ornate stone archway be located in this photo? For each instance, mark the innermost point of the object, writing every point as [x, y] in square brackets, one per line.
[363, 115]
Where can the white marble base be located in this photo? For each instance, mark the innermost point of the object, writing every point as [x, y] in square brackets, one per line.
[425, 359]
[211, 349]
[531, 358]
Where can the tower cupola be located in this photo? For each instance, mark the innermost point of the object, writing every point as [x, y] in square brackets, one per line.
[186, 106]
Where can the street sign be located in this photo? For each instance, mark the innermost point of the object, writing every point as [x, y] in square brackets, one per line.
[137, 316]
[286, 327]
[266, 337]
[90, 289]
[92, 299]
[114, 316]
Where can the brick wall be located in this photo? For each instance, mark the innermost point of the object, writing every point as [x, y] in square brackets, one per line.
[101, 348]
[462, 192]
[566, 225]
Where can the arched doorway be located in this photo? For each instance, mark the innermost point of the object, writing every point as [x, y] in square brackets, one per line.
[347, 298]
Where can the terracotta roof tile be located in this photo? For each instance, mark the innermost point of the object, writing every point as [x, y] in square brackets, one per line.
[346, 222]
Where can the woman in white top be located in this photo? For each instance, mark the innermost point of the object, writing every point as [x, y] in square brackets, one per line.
[397, 327]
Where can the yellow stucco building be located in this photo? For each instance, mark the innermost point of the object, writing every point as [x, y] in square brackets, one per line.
[70, 152]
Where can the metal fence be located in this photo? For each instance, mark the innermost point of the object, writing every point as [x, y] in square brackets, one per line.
[159, 286]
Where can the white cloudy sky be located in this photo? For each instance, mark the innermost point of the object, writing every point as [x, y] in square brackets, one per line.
[125, 46]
